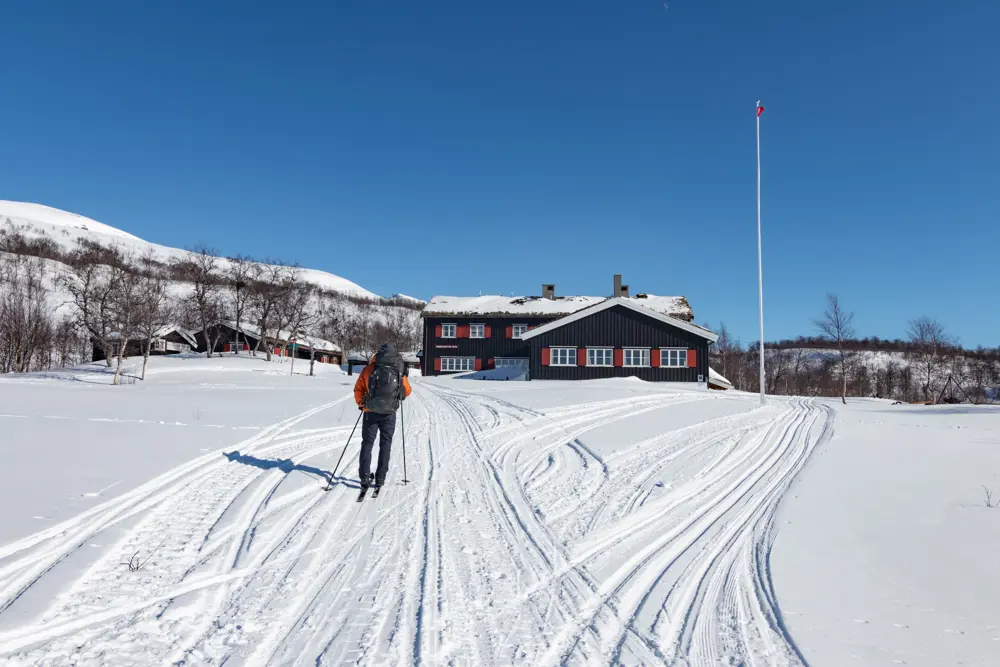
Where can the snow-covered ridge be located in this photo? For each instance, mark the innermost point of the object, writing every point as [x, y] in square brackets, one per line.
[23, 212]
[66, 229]
[409, 299]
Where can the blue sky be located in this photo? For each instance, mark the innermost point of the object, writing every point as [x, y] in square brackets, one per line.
[460, 147]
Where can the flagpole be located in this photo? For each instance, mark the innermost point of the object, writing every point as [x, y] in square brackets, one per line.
[760, 264]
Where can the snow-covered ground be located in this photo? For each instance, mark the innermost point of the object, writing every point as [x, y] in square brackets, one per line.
[887, 553]
[592, 523]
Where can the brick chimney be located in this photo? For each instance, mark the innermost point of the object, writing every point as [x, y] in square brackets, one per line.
[549, 292]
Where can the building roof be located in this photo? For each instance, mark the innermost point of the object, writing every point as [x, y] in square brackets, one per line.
[301, 340]
[631, 304]
[442, 306]
[715, 379]
[186, 334]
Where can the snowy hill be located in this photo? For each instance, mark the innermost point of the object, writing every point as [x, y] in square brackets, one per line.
[404, 298]
[65, 229]
[966, 375]
[611, 522]
[46, 216]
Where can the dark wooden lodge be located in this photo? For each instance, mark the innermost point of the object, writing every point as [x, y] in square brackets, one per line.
[567, 338]
[247, 340]
[168, 340]
[229, 340]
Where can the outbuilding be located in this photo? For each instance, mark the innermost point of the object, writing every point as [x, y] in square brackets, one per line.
[171, 339]
[247, 339]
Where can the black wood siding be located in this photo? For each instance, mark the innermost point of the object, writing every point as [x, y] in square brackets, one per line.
[619, 327]
[227, 335]
[498, 345]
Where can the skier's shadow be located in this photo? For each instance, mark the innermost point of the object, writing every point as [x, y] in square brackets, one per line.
[287, 466]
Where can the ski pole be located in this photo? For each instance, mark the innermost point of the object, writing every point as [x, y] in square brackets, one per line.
[402, 419]
[334, 474]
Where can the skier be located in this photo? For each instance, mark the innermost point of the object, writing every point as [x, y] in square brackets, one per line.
[378, 392]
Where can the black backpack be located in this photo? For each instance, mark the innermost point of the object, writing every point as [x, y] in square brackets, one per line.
[384, 385]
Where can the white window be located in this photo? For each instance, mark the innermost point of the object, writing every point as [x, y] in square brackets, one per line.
[477, 331]
[519, 330]
[511, 362]
[673, 358]
[600, 357]
[448, 330]
[562, 356]
[458, 364]
[636, 357]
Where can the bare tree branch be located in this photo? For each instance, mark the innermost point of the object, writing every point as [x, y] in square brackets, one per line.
[838, 325]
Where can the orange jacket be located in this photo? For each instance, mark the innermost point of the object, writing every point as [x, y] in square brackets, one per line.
[361, 386]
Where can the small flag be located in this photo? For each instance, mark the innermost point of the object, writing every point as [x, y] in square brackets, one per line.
[760, 109]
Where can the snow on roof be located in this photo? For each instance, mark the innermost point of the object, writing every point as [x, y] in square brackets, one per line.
[716, 379]
[674, 306]
[635, 304]
[184, 333]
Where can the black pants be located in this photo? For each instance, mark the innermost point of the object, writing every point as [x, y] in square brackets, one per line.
[385, 426]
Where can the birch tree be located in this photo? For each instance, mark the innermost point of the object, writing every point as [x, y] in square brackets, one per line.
[26, 323]
[91, 291]
[837, 325]
[333, 323]
[126, 306]
[929, 337]
[155, 307]
[204, 302]
[268, 293]
[295, 311]
[241, 275]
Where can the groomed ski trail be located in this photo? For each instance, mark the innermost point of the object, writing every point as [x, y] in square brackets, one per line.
[516, 543]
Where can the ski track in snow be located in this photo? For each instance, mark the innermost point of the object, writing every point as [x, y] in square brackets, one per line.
[515, 543]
